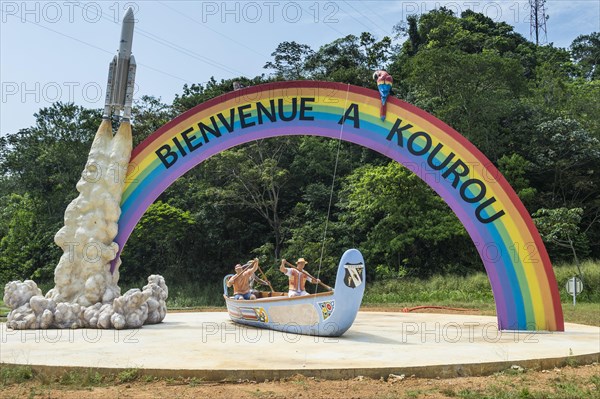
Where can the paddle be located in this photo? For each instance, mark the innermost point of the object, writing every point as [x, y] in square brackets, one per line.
[266, 279]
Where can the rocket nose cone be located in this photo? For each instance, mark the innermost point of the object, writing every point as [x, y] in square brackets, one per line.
[129, 16]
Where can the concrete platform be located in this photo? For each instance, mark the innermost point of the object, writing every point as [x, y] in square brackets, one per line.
[210, 346]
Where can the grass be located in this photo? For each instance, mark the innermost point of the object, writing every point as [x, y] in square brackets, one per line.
[77, 379]
[128, 375]
[4, 310]
[591, 281]
[582, 313]
[571, 382]
[442, 290]
[14, 374]
[474, 292]
[83, 379]
[568, 390]
[525, 385]
[474, 288]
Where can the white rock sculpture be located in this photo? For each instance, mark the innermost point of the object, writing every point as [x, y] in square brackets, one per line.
[22, 318]
[157, 305]
[91, 315]
[18, 293]
[29, 308]
[131, 310]
[68, 315]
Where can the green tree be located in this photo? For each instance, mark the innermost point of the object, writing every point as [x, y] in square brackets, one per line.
[46, 160]
[149, 114]
[565, 172]
[377, 52]
[560, 227]
[27, 248]
[403, 223]
[315, 231]
[198, 93]
[515, 168]
[473, 93]
[553, 74]
[565, 164]
[586, 52]
[472, 33]
[410, 29]
[39, 168]
[289, 60]
[583, 105]
[255, 177]
[350, 59]
[157, 244]
[222, 234]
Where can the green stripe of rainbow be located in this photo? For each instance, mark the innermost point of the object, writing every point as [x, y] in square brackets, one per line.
[516, 261]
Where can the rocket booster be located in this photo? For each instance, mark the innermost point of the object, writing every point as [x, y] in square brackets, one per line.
[121, 74]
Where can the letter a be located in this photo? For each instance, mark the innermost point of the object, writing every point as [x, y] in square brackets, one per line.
[352, 109]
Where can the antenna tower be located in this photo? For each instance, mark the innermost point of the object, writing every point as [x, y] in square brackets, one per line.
[538, 20]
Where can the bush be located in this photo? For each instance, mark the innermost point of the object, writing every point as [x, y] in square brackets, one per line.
[437, 289]
[195, 295]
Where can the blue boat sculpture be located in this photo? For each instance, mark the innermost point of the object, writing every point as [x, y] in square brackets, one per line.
[327, 314]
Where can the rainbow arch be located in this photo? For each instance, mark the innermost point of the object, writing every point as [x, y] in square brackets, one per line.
[515, 259]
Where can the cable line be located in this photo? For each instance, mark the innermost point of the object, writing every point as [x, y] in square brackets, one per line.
[243, 45]
[101, 49]
[337, 157]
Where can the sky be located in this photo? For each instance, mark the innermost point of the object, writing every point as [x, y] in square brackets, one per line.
[60, 50]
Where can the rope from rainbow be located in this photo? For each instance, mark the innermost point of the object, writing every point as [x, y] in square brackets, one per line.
[516, 261]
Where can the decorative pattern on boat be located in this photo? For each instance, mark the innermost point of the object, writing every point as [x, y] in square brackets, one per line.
[261, 315]
[257, 314]
[234, 312]
[327, 308]
[353, 277]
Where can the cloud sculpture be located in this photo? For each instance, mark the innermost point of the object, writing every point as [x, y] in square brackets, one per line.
[86, 294]
[157, 305]
[31, 310]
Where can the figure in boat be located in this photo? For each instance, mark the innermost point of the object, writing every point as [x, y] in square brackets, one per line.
[241, 280]
[297, 277]
[329, 313]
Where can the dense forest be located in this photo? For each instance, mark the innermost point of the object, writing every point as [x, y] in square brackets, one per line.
[534, 111]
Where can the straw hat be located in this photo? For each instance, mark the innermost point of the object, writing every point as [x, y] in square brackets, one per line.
[301, 260]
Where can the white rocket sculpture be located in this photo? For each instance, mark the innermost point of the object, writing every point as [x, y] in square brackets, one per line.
[121, 75]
